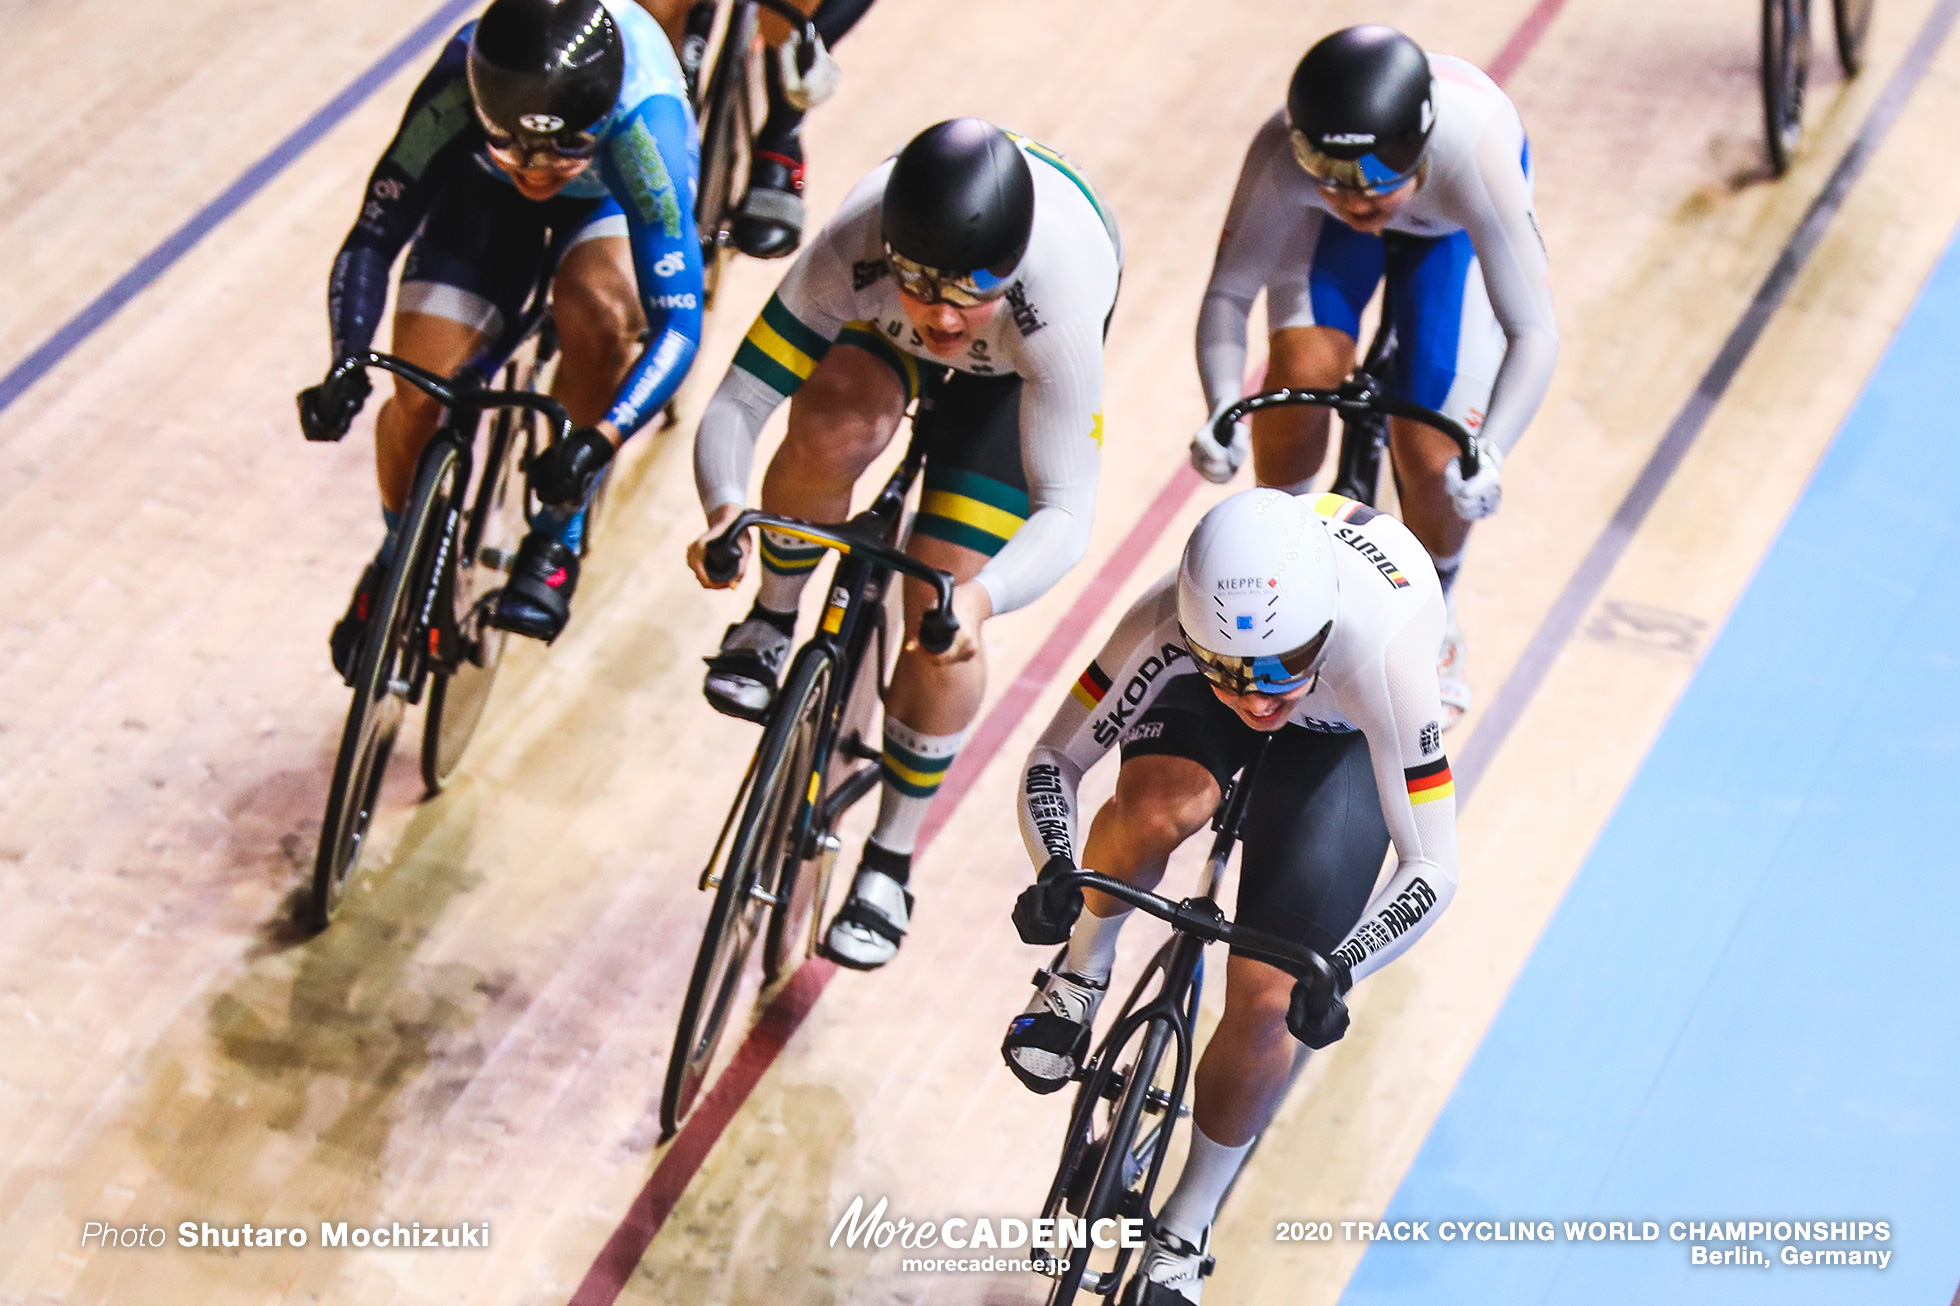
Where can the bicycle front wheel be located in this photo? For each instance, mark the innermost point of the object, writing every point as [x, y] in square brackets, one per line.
[1853, 20]
[764, 839]
[1786, 70]
[498, 519]
[391, 661]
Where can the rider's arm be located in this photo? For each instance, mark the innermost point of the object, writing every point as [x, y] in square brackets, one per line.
[789, 338]
[645, 165]
[1143, 654]
[1397, 707]
[1061, 453]
[436, 135]
[1504, 230]
[1258, 227]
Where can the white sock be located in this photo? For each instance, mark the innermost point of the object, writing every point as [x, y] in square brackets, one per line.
[1092, 947]
[914, 764]
[787, 564]
[1208, 1172]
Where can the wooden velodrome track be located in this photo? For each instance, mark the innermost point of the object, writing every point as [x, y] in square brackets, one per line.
[479, 1038]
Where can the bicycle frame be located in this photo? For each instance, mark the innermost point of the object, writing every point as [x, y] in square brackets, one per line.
[854, 610]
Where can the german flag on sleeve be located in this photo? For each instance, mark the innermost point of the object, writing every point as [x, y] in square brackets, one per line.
[1429, 782]
[1091, 686]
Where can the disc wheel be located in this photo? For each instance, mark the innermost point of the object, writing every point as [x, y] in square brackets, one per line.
[457, 698]
[384, 676]
[763, 840]
[1853, 20]
[1786, 70]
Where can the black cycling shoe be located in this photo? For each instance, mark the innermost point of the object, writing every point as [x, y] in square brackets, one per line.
[344, 643]
[769, 222]
[537, 602]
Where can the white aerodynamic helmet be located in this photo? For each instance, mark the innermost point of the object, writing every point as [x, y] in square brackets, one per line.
[1256, 593]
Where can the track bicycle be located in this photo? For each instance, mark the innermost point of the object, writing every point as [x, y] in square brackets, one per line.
[1132, 1092]
[427, 636]
[1364, 405]
[730, 107]
[1786, 66]
[818, 756]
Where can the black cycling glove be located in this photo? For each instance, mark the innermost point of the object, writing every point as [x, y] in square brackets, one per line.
[1318, 1014]
[1046, 910]
[326, 410]
[563, 475]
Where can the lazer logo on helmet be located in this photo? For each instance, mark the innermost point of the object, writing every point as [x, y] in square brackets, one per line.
[544, 124]
[1348, 138]
[1111, 727]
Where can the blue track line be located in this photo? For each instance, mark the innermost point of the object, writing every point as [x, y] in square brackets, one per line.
[1744, 1009]
[70, 335]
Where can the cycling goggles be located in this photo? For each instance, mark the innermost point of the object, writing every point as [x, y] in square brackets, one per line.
[1265, 673]
[560, 150]
[1367, 175]
[931, 286]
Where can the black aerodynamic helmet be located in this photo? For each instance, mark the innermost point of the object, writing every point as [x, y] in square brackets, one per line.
[1361, 105]
[543, 73]
[958, 212]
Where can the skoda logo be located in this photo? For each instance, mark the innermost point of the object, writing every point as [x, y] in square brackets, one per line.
[542, 123]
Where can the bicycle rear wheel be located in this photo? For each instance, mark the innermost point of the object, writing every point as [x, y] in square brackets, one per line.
[385, 679]
[728, 126]
[1853, 20]
[764, 839]
[498, 522]
[1785, 71]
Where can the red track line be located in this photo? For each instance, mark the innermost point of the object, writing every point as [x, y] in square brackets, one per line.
[617, 1260]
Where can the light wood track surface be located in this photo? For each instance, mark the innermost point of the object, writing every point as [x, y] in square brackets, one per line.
[480, 1037]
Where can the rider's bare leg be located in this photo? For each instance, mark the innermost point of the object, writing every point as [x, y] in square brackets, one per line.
[1290, 444]
[595, 303]
[409, 417]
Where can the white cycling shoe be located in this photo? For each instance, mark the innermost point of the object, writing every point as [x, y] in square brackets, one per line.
[1451, 683]
[868, 928]
[1048, 1042]
[1172, 1273]
[743, 673]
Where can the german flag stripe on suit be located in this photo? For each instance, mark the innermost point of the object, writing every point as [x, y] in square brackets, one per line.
[1429, 782]
[1090, 687]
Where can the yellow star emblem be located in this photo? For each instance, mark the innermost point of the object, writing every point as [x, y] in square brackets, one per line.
[1096, 429]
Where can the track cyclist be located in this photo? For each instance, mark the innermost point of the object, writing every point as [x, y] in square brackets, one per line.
[769, 220]
[1387, 159]
[975, 272]
[550, 133]
[1312, 620]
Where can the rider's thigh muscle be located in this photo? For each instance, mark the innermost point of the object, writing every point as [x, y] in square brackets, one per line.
[843, 416]
[436, 343]
[1309, 357]
[1161, 801]
[594, 297]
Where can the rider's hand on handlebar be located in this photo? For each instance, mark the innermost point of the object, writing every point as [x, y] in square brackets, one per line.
[328, 409]
[697, 552]
[1215, 464]
[972, 605]
[1046, 910]
[1318, 1013]
[1479, 496]
[563, 475]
